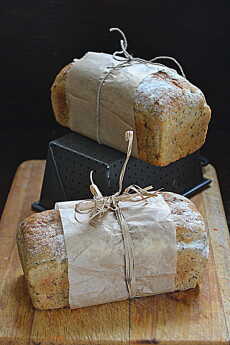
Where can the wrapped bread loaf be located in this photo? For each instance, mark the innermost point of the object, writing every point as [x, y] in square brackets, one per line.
[44, 260]
[169, 115]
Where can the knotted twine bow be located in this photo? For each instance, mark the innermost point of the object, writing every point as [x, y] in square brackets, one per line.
[100, 205]
[125, 61]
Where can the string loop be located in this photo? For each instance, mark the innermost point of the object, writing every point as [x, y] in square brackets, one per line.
[124, 46]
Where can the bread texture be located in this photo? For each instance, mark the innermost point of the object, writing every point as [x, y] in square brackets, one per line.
[171, 115]
[42, 251]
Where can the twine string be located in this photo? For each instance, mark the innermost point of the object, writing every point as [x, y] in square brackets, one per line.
[100, 205]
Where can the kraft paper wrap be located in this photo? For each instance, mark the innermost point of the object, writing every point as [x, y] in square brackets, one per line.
[96, 253]
[117, 98]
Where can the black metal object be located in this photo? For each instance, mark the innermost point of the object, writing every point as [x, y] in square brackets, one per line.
[71, 158]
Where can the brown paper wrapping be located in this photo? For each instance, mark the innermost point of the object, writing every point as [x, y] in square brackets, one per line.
[96, 253]
[117, 98]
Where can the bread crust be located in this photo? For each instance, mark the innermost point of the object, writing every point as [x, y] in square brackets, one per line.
[161, 140]
[42, 251]
[58, 98]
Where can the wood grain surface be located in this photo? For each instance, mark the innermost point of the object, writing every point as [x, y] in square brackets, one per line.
[200, 316]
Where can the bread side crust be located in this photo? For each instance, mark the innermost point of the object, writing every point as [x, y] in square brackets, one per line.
[42, 252]
[58, 98]
[43, 255]
[171, 124]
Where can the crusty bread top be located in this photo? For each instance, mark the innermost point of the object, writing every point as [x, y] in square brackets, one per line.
[164, 93]
[42, 235]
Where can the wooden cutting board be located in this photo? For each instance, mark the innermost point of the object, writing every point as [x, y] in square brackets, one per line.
[200, 316]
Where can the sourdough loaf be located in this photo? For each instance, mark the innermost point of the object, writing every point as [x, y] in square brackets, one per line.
[171, 115]
[43, 256]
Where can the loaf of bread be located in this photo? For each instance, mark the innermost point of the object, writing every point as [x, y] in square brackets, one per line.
[171, 115]
[43, 256]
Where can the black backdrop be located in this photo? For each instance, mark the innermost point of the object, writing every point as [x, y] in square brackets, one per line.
[38, 38]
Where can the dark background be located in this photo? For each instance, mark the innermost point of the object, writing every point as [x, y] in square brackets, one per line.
[38, 38]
